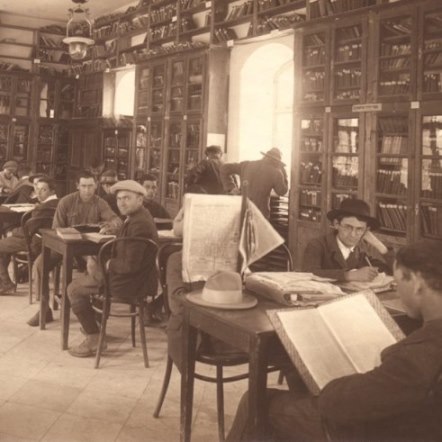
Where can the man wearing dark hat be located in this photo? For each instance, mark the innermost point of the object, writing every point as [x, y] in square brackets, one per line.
[349, 252]
[8, 180]
[206, 173]
[47, 203]
[263, 176]
[126, 274]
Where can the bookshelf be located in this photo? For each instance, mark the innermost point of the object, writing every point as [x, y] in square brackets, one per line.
[116, 144]
[89, 96]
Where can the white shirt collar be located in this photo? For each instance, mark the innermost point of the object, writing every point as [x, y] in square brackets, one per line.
[50, 198]
[344, 249]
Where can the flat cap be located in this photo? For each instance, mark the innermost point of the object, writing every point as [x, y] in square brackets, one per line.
[10, 165]
[129, 185]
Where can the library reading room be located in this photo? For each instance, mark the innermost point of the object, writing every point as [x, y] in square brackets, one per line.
[221, 220]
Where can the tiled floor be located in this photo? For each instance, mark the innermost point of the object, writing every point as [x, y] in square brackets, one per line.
[47, 395]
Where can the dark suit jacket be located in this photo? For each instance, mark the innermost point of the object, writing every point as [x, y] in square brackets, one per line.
[21, 194]
[126, 273]
[401, 400]
[323, 257]
[207, 175]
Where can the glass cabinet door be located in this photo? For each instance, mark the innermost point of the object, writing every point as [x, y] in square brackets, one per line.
[5, 94]
[195, 84]
[4, 131]
[314, 66]
[140, 150]
[177, 86]
[143, 91]
[20, 142]
[123, 143]
[158, 85]
[45, 143]
[173, 161]
[66, 105]
[431, 179]
[110, 150]
[23, 97]
[155, 141]
[47, 98]
[192, 146]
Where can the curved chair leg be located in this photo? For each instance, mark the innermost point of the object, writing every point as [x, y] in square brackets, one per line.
[142, 333]
[101, 338]
[220, 401]
[132, 324]
[165, 386]
[30, 266]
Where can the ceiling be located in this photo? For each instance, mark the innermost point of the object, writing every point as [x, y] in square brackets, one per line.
[57, 9]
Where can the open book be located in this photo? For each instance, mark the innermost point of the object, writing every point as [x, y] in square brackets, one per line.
[338, 338]
[99, 238]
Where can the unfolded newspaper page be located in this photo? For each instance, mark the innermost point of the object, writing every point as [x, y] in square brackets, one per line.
[212, 226]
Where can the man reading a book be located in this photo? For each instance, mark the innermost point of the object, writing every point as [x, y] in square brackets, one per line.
[351, 252]
[81, 207]
[126, 274]
[400, 399]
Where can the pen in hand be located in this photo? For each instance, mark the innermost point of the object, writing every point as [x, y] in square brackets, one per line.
[368, 261]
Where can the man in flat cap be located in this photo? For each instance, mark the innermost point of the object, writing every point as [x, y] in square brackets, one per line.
[351, 252]
[8, 180]
[206, 174]
[126, 274]
[263, 176]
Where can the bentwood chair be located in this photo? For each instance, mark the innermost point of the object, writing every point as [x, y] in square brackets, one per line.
[103, 302]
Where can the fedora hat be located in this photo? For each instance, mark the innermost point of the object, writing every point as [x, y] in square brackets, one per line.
[275, 154]
[357, 208]
[223, 290]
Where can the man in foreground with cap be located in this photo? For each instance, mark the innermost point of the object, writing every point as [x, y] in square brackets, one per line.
[399, 400]
[81, 207]
[47, 203]
[344, 254]
[126, 275]
[206, 173]
[262, 175]
[8, 180]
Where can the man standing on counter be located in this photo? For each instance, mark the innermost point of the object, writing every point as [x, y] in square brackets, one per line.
[81, 207]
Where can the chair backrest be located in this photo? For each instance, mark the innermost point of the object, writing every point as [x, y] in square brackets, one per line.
[31, 226]
[109, 249]
[279, 259]
[164, 251]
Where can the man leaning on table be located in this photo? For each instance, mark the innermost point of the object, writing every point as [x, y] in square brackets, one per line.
[80, 207]
[47, 203]
[351, 252]
[125, 271]
[399, 400]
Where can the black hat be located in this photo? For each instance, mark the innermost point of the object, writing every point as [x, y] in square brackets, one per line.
[275, 154]
[357, 208]
[213, 149]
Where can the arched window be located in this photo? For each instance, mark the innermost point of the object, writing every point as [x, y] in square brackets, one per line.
[124, 93]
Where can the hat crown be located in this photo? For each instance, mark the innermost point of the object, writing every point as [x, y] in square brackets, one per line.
[224, 280]
[274, 152]
[129, 185]
[355, 206]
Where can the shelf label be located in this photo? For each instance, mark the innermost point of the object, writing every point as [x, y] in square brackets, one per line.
[327, 109]
[229, 43]
[208, 4]
[185, 117]
[369, 107]
[415, 105]
[174, 18]
[37, 61]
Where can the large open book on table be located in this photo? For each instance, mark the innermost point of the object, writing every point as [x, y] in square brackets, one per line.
[338, 338]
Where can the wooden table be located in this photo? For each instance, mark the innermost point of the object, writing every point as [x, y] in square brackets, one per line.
[251, 332]
[67, 249]
[9, 216]
[248, 330]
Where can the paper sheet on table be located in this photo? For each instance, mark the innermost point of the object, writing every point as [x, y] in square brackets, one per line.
[20, 207]
[380, 283]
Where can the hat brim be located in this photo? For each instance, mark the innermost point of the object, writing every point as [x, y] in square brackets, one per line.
[373, 223]
[273, 158]
[248, 301]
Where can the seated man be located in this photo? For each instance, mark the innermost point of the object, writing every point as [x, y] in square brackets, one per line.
[400, 400]
[150, 183]
[24, 190]
[16, 242]
[107, 179]
[8, 180]
[344, 254]
[81, 207]
[124, 266]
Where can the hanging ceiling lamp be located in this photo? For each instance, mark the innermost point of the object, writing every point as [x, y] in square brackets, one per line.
[78, 31]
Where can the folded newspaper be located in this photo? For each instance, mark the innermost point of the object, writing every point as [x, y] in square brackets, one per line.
[293, 288]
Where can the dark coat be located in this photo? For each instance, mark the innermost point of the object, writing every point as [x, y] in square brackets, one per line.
[401, 400]
[21, 194]
[263, 176]
[207, 175]
[126, 272]
[156, 209]
[323, 257]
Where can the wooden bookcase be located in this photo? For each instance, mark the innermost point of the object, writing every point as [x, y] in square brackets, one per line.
[373, 133]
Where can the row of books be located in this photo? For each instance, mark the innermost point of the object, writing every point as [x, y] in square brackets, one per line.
[268, 4]
[311, 144]
[344, 178]
[346, 78]
[50, 42]
[392, 181]
[310, 197]
[312, 97]
[224, 34]
[314, 56]
[311, 214]
[164, 13]
[393, 49]
[395, 145]
[311, 172]
[240, 10]
[394, 87]
[352, 94]
[393, 125]
[163, 31]
[398, 27]
[395, 64]
[322, 8]
[393, 216]
[433, 82]
[313, 80]
[188, 4]
[431, 220]
[314, 125]
[433, 184]
[314, 40]
[173, 190]
[433, 59]
[53, 57]
[349, 33]
[433, 22]
[268, 24]
[349, 52]
[430, 45]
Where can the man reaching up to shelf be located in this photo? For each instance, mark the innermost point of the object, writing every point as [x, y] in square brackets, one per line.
[81, 207]
[350, 252]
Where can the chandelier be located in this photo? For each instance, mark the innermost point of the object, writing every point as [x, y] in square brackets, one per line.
[78, 31]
